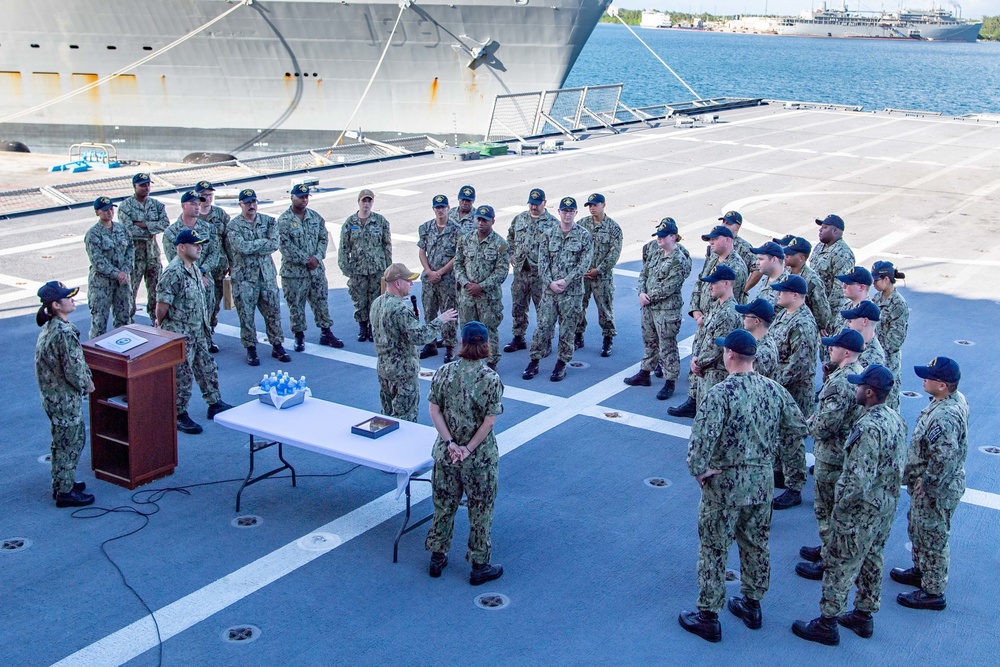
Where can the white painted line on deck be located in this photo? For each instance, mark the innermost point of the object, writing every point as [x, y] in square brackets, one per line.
[982, 499]
[399, 192]
[55, 243]
[635, 420]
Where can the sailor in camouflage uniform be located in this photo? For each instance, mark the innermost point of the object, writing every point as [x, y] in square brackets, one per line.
[524, 237]
[111, 254]
[733, 221]
[865, 502]
[599, 279]
[182, 307]
[730, 455]
[770, 269]
[396, 330]
[564, 254]
[438, 243]
[365, 253]
[465, 400]
[481, 265]
[796, 336]
[63, 379]
[854, 285]
[211, 248]
[664, 270]
[935, 479]
[864, 319]
[796, 254]
[835, 415]
[464, 215]
[893, 322]
[144, 217]
[832, 257]
[252, 238]
[218, 218]
[706, 357]
[304, 241]
[757, 318]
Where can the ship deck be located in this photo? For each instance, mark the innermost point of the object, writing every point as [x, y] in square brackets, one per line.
[598, 563]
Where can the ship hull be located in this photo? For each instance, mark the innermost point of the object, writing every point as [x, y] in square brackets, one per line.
[276, 68]
[939, 33]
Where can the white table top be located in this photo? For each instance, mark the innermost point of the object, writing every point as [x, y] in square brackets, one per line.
[325, 428]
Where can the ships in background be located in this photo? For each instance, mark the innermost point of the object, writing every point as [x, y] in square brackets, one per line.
[938, 25]
[275, 75]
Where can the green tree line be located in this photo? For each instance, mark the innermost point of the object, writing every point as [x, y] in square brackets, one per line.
[990, 29]
[634, 17]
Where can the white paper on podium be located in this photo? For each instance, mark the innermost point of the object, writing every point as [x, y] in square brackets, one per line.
[123, 342]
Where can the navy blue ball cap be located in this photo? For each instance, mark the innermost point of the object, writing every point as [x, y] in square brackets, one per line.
[739, 341]
[299, 190]
[486, 212]
[596, 198]
[536, 196]
[864, 309]
[722, 272]
[475, 333]
[140, 178]
[798, 245]
[732, 217]
[849, 339]
[717, 231]
[859, 275]
[467, 192]
[189, 236]
[439, 200]
[760, 308]
[940, 369]
[875, 376]
[666, 227]
[191, 195]
[784, 240]
[102, 203]
[247, 196]
[770, 248]
[204, 186]
[883, 270]
[567, 204]
[832, 220]
[792, 283]
[55, 290]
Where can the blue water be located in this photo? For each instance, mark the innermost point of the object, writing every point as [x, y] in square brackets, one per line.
[953, 78]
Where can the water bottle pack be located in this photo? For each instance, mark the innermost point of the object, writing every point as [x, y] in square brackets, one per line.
[281, 390]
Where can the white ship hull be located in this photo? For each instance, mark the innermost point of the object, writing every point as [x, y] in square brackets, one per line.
[279, 73]
[954, 32]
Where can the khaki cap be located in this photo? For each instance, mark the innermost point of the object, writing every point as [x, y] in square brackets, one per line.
[366, 193]
[399, 272]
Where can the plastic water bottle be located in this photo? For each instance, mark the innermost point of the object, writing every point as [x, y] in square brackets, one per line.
[293, 387]
[302, 383]
[265, 384]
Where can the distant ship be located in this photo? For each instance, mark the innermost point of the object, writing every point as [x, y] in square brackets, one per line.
[938, 25]
[275, 74]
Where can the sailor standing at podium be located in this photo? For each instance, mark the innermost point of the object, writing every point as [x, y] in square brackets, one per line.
[63, 378]
[182, 307]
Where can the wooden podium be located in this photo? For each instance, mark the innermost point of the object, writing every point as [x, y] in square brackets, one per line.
[133, 442]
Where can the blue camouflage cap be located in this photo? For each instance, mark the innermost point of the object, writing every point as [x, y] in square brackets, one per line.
[55, 290]
[567, 204]
[760, 308]
[486, 212]
[536, 196]
[940, 369]
[792, 283]
[832, 220]
[864, 309]
[722, 272]
[859, 275]
[189, 236]
[666, 227]
[299, 190]
[247, 196]
[439, 200]
[467, 192]
[203, 186]
[191, 195]
[102, 203]
[875, 376]
[849, 339]
[732, 217]
[739, 341]
[475, 333]
[140, 178]
[596, 198]
[770, 248]
[798, 245]
[717, 231]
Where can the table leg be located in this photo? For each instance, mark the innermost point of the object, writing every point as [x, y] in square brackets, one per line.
[404, 529]
[250, 479]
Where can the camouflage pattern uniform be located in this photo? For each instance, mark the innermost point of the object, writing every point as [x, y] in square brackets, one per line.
[829, 261]
[872, 354]
[722, 320]
[147, 250]
[365, 253]
[866, 496]
[396, 330]
[63, 379]
[767, 292]
[893, 322]
[701, 299]
[797, 338]
[184, 290]
[484, 263]
[607, 238]
[661, 280]
[936, 458]
[830, 426]
[467, 392]
[524, 238]
[440, 246]
[736, 431]
[110, 252]
[466, 223]
[817, 300]
[743, 248]
[299, 240]
[255, 281]
[218, 218]
[561, 256]
[765, 361]
[211, 252]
